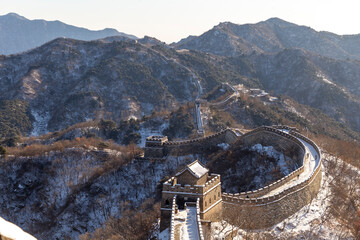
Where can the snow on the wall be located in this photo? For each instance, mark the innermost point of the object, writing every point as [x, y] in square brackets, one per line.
[271, 152]
[40, 124]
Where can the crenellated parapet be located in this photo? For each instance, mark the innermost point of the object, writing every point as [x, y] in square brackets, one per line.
[158, 146]
[266, 189]
[172, 221]
[263, 209]
[171, 186]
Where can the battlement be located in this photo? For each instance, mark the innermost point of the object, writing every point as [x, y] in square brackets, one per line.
[154, 146]
[155, 140]
[212, 181]
[171, 185]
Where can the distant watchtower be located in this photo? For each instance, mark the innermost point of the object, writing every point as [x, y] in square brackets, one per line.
[189, 184]
[154, 146]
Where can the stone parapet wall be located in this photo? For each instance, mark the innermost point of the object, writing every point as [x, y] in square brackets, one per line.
[183, 189]
[257, 212]
[171, 143]
[198, 145]
[199, 189]
[214, 179]
[198, 220]
[266, 212]
[254, 197]
[172, 222]
[272, 137]
[231, 136]
[236, 199]
[262, 191]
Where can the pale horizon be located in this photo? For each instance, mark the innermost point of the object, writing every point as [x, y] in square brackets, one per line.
[171, 21]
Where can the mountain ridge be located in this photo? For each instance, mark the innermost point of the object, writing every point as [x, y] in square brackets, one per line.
[19, 34]
[272, 35]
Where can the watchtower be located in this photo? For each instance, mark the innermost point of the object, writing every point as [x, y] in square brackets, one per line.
[154, 146]
[189, 184]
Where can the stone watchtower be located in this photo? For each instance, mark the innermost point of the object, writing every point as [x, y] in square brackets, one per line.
[154, 146]
[188, 185]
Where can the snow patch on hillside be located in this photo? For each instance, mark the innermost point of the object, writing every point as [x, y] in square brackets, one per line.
[324, 78]
[224, 146]
[40, 124]
[271, 152]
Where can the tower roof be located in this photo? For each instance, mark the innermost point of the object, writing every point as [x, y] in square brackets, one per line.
[196, 168]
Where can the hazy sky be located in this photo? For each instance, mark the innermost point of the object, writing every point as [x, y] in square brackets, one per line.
[171, 20]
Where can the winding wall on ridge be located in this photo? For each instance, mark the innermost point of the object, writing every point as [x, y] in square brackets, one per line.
[199, 145]
[252, 210]
[260, 208]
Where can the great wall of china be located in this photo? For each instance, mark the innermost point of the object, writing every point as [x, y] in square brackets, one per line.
[256, 209]
[273, 203]
[268, 205]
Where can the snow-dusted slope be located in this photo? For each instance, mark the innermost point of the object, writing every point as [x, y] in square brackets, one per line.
[60, 194]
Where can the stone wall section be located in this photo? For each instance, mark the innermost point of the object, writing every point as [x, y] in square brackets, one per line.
[187, 177]
[172, 223]
[199, 145]
[198, 220]
[263, 213]
[255, 212]
[250, 209]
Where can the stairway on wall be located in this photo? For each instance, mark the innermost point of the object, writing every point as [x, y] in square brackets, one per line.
[185, 224]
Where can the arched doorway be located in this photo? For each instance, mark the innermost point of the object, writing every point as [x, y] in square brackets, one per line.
[180, 201]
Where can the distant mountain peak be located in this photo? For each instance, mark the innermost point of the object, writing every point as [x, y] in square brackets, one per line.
[271, 36]
[15, 15]
[225, 23]
[147, 40]
[276, 19]
[21, 34]
[280, 22]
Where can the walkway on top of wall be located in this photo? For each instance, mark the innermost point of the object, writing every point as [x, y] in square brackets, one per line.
[310, 165]
[234, 94]
[185, 224]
